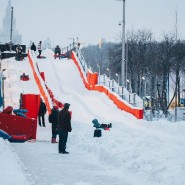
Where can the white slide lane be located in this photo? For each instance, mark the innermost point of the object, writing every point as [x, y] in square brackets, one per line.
[63, 78]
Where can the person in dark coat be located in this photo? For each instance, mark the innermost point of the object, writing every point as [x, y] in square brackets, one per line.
[33, 47]
[57, 51]
[55, 120]
[42, 112]
[64, 127]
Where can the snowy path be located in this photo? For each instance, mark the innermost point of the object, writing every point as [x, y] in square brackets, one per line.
[47, 167]
[122, 156]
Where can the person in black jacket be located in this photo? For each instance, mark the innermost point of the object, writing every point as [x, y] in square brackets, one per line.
[64, 127]
[33, 47]
[54, 126]
[57, 51]
[42, 112]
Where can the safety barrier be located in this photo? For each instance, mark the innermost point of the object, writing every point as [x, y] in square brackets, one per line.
[55, 101]
[31, 103]
[42, 90]
[17, 125]
[37, 78]
[90, 82]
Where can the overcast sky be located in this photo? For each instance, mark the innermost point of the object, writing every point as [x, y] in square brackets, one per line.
[90, 20]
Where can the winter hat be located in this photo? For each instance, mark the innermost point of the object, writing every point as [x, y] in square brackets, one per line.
[66, 105]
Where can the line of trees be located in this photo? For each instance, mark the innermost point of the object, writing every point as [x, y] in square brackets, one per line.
[150, 65]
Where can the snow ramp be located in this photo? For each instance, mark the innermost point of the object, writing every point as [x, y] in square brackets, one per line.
[63, 78]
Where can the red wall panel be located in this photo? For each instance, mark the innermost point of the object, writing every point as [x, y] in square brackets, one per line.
[17, 125]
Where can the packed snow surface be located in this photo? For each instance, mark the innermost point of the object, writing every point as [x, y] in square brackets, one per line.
[133, 152]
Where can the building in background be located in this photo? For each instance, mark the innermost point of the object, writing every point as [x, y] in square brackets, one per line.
[5, 32]
[100, 42]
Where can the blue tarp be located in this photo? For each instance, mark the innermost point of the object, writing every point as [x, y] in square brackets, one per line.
[1, 98]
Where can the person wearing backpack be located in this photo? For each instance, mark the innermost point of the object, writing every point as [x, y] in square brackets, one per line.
[54, 119]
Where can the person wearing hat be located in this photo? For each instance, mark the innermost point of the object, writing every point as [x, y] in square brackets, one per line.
[54, 122]
[64, 127]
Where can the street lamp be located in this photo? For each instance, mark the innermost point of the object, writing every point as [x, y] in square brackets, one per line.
[109, 72]
[99, 71]
[128, 85]
[144, 86]
[3, 78]
[123, 46]
[118, 78]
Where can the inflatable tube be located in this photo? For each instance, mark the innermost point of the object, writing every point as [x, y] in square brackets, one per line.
[18, 139]
[4, 135]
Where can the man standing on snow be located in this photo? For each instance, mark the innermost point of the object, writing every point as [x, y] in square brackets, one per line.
[42, 112]
[64, 127]
[39, 49]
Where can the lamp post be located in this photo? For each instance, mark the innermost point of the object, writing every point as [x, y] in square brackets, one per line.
[3, 78]
[118, 78]
[148, 73]
[128, 81]
[123, 80]
[109, 73]
[144, 86]
[99, 71]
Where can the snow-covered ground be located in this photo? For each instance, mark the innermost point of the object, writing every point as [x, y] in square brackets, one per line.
[133, 152]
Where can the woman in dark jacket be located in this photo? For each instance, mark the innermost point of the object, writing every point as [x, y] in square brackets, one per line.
[64, 127]
[54, 126]
[42, 112]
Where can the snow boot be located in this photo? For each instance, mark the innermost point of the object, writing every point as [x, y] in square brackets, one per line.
[53, 140]
[64, 152]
